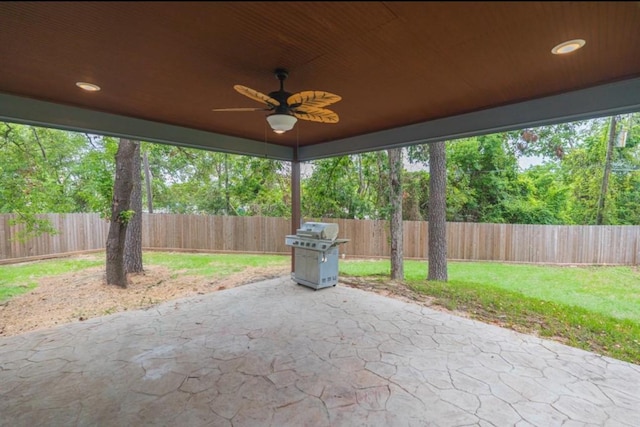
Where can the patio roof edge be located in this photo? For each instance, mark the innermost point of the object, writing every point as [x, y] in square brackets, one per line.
[16, 109]
[599, 101]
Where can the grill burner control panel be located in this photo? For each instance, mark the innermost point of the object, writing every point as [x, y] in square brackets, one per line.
[316, 245]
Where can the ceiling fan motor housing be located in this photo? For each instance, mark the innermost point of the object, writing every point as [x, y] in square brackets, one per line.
[281, 95]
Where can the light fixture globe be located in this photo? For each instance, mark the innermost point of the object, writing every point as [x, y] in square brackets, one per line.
[280, 123]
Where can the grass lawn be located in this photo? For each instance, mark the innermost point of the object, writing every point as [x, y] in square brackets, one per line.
[16, 279]
[594, 308]
[612, 291]
[219, 265]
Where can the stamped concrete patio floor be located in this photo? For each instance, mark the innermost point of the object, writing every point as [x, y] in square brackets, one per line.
[278, 354]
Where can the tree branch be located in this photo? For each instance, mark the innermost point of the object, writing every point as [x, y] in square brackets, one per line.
[187, 154]
[90, 140]
[35, 133]
[7, 138]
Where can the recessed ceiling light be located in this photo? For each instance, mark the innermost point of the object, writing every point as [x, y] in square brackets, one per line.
[568, 46]
[89, 87]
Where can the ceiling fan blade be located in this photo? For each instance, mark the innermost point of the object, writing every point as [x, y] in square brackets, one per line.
[241, 109]
[313, 98]
[257, 96]
[313, 114]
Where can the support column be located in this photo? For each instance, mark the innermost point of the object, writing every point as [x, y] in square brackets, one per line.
[295, 202]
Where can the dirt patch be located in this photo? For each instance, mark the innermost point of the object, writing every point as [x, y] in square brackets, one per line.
[82, 295]
[389, 289]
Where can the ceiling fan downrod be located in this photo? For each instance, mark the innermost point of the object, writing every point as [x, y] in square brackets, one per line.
[281, 74]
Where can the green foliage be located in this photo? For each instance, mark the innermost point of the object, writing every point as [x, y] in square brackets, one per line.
[32, 226]
[126, 216]
[193, 181]
[626, 199]
[51, 171]
[348, 187]
[42, 171]
[94, 187]
[415, 200]
[552, 142]
[485, 172]
[45, 165]
[547, 195]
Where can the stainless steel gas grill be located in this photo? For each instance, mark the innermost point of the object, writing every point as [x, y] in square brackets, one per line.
[316, 254]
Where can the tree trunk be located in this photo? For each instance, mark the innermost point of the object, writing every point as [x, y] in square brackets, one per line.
[133, 242]
[123, 184]
[147, 180]
[395, 200]
[295, 205]
[227, 196]
[607, 171]
[437, 212]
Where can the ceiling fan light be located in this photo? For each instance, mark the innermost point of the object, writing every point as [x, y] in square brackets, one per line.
[280, 123]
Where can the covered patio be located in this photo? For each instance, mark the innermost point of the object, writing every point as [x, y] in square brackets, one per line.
[275, 353]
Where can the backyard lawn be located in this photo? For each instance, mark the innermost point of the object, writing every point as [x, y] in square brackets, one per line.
[594, 308]
[611, 291]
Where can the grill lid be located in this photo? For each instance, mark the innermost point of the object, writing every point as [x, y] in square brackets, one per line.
[318, 230]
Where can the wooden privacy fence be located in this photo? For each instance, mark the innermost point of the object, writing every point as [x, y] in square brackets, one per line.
[76, 233]
[549, 244]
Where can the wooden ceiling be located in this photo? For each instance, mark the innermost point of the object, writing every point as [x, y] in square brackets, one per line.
[407, 72]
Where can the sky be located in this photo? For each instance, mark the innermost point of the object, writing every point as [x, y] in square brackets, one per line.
[528, 161]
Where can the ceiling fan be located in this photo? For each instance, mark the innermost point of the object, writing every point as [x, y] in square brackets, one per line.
[287, 107]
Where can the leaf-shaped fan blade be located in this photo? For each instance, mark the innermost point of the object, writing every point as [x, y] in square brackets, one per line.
[257, 96]
[241, 109]
[313, 98]
[321, 115]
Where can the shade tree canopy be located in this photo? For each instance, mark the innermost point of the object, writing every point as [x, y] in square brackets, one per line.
[46, 170]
